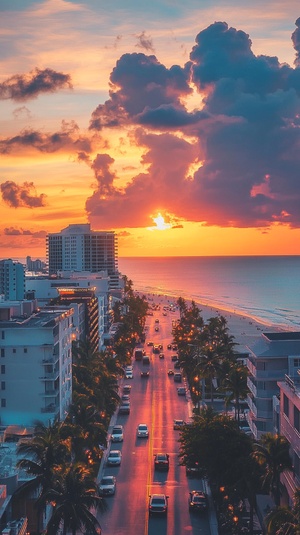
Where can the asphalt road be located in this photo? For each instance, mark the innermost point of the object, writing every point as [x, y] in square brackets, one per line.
[154, 401]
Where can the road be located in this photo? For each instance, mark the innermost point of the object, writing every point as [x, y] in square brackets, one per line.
[154, 401]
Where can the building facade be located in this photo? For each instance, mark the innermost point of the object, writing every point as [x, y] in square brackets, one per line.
[268, 363]
[78, 248]
[36, 366]
[12, 279]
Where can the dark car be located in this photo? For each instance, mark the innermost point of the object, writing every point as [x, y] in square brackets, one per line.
[197, 501]
[169, 346]
[145, 374]
[174, 358]
[161, 356]
[158, 504]
[161, 461]
[192, 470]
[177, 365]
[170, 372]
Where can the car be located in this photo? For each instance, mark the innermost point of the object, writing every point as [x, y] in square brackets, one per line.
[165, 314]
[161, 461]
[156, 329]
[181, 391]
[161, 356]
[197, 501]
[126, 389]
[142, 431]
[170, 372]
[149, 343]
[177, 365]
[107, 486]
[193, 470]
[174, 347]
[156, 348]
[125, 397]
[117, 433]
[178, 424]
[129, 368]
[169, 346]
[145, 374]
[158, 504]
[124, 407]
[157, 320]
[174, 358]
[129, 374]
[160, 347]
[177, 377]
[114, 458]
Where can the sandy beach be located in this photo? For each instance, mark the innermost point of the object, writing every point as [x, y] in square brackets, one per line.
[245, 330]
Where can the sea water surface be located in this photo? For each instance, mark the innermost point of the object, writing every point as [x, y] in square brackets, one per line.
[266, 288]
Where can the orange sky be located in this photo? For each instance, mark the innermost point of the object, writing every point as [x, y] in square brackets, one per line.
[115, 117]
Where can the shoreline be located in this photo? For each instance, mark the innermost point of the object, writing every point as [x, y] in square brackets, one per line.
[244, 328]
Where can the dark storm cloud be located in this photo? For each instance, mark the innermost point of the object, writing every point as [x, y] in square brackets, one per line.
[67, 138]
[145, 42]
[22, 87]
[140, 82]
[24, 195]
[233, 161]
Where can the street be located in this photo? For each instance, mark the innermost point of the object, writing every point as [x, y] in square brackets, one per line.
[155, 402]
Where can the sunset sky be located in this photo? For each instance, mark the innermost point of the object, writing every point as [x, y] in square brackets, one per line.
[176, 124]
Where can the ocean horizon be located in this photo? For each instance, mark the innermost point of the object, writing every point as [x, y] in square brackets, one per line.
[265, 288]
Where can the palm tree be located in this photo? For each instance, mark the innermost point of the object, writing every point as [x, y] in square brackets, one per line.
[284, 520]
[235, 387]
[272, 453]
[73, 495]
[40, 457]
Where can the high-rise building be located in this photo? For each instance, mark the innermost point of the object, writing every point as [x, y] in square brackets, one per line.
[78, 248]
[12, 280]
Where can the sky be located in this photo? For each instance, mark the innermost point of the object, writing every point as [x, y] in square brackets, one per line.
[175, 124]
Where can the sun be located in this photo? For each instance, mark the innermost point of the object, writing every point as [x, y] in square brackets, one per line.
[160, 223]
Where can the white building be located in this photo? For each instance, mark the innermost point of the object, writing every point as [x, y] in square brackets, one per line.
[12, 279]
[46, 288]
[36, 365]
[78, 248]
[268, 362]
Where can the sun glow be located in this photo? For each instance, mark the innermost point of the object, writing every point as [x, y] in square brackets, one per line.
[160, 223]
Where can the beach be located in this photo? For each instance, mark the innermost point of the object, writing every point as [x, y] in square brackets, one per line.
[244, 329]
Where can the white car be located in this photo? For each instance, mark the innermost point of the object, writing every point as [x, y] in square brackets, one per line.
[114, 458]
[107, 486]
[142, 431]
[117, 433]
[129, 374]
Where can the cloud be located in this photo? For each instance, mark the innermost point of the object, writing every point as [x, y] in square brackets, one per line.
[22, 87]
[145, 42]
[68, 138]
[24, 195]
[11, 231]
[231, 161]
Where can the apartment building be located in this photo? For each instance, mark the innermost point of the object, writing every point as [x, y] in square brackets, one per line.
[268, 363]
[36, 364]
[12, 279]
[78, 248]
[289, 423]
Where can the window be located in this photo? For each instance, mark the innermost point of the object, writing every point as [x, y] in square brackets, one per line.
[296, 363]
[14, 350]
[2, 385]
[2, 352]
[25, 349]
[3, 402]
[285, 405]
[296, 418]
[3, 368]
[3, 335]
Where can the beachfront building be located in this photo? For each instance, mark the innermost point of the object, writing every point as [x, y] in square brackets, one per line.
[12, 279]
[78, 248]
[268, 362]
[46, 288]
[289, 423]
[36, 364]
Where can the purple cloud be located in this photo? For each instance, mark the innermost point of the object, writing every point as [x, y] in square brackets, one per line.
[22, 87]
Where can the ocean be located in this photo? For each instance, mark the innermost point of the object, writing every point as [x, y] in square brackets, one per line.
[265, 288]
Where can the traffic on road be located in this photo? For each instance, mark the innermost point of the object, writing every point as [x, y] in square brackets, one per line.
[147, 491]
